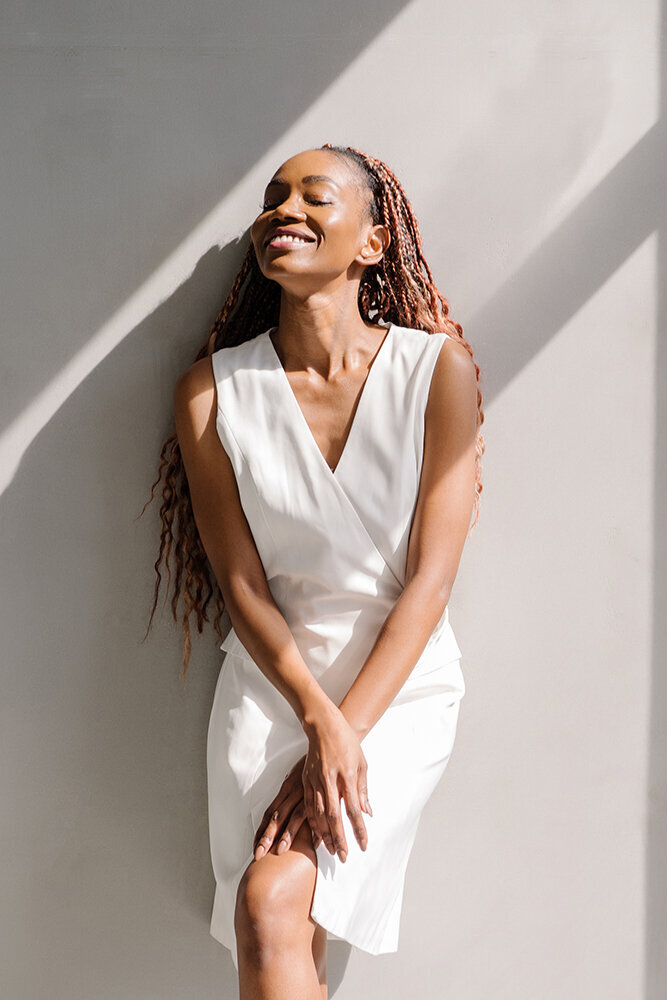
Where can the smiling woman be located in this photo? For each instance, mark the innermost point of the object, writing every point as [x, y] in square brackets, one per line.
[319, 486]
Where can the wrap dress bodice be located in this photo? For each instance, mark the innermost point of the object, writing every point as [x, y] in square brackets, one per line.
[334, 545]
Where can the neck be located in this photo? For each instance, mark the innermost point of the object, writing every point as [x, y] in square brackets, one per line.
[324, 331]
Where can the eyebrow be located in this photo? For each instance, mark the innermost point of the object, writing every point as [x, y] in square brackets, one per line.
[309, 178]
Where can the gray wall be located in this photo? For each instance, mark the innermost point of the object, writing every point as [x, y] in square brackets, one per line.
[137, 139]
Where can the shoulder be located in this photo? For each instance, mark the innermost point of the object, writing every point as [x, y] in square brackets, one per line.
[194, 393]
[453, 390]
[454, 363]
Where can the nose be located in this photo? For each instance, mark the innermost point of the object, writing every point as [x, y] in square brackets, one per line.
[290, 207]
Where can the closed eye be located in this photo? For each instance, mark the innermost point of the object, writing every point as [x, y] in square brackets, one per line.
[266, 206]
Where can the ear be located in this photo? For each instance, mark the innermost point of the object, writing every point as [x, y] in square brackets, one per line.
[377, 242]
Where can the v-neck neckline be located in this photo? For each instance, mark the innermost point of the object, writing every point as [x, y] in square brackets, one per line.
[302, 417]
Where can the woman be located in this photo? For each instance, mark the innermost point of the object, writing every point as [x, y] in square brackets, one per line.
[320, 487]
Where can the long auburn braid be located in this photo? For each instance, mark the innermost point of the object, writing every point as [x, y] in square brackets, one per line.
[399, 289]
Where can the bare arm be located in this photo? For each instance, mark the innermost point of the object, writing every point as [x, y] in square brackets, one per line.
[231, 549]
[439, 530]
[335, 763]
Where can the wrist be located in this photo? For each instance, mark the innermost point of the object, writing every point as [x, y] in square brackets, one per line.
[359, 728]
[318, 712]
[354, 720]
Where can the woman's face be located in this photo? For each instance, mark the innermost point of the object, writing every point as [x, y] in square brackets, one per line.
[314, 223]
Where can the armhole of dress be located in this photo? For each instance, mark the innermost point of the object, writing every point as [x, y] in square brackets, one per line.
[432, 363]
[227, 439]
[216, 380]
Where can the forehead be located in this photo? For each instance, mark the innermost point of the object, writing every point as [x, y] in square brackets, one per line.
[320, 164]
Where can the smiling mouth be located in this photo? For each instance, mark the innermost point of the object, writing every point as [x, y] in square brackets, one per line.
[282, 240]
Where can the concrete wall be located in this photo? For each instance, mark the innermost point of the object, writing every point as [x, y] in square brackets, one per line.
[137, 140]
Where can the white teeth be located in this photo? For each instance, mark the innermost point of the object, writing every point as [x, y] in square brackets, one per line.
[288, 239]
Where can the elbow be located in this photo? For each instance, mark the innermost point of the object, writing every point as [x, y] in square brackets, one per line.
[432, 588]
[239, 591]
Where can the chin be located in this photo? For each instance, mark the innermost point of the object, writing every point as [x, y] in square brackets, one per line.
[289, 275]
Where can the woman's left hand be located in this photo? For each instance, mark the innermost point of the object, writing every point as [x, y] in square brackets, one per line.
[286, 813]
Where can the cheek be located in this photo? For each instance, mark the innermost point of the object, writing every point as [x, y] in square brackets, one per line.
[344, 236]
[253, 233]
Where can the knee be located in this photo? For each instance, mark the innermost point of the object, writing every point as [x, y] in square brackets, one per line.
[261, 916]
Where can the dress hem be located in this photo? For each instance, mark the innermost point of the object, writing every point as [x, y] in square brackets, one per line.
[336, 930]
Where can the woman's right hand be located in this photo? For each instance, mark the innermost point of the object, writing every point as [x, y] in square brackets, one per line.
[335, 768]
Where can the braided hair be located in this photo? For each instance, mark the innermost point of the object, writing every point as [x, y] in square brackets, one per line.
[399, 289]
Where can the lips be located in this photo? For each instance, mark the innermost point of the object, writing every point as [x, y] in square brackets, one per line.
[287, 237]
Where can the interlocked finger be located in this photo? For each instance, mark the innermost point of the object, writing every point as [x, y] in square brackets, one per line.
[294, 823]
[271, 815]
[322, 823]
[272, 823]
[354, 812]
[316, 812]
[309, 809]
[335, 822]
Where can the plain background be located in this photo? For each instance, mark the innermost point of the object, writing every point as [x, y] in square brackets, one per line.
[137, 139]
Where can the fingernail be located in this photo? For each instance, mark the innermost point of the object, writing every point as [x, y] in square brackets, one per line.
[343, 856]
[259, 852]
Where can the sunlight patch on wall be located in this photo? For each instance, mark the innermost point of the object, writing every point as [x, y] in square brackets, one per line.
[333, 112]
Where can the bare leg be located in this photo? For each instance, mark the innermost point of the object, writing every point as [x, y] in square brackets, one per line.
[320, 958]
[279, 953]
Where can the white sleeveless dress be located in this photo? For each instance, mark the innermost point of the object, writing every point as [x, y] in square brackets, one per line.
[334, 546]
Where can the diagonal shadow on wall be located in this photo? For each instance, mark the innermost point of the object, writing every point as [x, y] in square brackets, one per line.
[552, 286]
[122, 128]
[626, 207]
